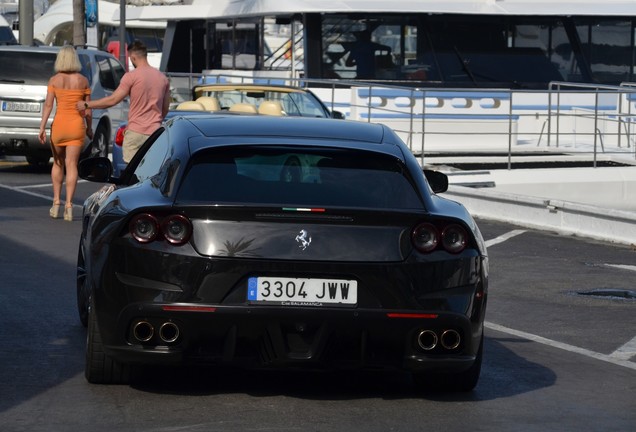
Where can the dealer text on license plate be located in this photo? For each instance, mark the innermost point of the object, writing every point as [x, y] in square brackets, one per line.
[33, 107]
[302, 291]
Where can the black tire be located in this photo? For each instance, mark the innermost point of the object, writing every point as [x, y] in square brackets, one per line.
[83, 287]
[99, 145]
[457, 382]
[38, 161]
[100, 368]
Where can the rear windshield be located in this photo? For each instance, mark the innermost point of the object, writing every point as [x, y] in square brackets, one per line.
[26, 67]
[299, 177]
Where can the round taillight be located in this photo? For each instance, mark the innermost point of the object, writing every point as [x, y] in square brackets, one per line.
[425, 237]
[144, 228]
[454, 238]
[176, 229]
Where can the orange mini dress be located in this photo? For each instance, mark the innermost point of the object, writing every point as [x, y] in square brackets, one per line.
[69, 127]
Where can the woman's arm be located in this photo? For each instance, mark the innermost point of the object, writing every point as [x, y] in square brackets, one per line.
[46, 112]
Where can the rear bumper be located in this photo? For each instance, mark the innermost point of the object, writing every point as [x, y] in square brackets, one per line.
[21, 141]
[275, 337]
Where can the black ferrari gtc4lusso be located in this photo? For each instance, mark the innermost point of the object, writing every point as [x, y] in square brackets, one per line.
[277, 242]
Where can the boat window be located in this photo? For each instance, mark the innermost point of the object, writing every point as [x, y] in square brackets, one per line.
[553, 43]
[483, 51]
[151, 37]
[437, 49]
[431, 50]
[361, 48]
[238, 45]
[608, 46]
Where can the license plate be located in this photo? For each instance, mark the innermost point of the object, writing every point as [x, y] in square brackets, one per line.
[33, 107]
[302, 291]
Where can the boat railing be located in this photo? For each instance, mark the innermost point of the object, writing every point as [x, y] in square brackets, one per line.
[590, 125]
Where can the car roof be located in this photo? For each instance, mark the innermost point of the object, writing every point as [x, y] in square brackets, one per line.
[48, 49]
[352, 134]
[30, 48]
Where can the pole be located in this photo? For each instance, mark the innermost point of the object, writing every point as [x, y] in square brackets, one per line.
[26, 22]
[122, 33]
[293, 48]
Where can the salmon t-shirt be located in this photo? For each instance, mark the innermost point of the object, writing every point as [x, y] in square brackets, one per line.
[146, 87]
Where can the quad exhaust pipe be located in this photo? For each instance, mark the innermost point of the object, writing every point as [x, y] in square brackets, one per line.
[169, 332]
[450, 339]
[428, 340]
[144, 331]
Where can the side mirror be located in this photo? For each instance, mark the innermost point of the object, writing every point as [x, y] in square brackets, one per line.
[437, 180]
[337, 115]
[95, 169]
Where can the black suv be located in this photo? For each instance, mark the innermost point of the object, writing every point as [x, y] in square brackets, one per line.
[24, 77]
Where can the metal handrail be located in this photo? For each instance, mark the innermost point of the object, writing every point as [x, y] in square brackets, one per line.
[588, 123]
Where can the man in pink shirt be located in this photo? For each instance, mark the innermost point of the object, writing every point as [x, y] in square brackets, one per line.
[149, 92]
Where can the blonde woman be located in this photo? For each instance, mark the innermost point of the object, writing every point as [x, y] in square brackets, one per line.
[65, 89]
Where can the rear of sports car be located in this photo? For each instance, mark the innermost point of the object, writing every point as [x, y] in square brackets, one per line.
[297, 257]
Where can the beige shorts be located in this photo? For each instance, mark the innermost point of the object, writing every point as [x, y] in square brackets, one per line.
[132, 142]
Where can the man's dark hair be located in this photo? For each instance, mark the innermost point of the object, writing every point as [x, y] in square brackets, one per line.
[139, 48]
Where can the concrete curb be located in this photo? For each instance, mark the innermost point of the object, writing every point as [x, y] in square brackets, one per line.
[564, 217]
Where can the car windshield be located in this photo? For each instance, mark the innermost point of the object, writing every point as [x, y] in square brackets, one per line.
[26, 67]
[297, 104]
[298, 177]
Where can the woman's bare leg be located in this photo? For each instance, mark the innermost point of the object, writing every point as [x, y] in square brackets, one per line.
[57, 172]
[71, 161]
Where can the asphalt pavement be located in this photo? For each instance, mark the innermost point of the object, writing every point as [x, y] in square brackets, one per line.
[560, 347]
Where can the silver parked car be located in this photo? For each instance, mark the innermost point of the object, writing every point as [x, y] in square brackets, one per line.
[24, 77]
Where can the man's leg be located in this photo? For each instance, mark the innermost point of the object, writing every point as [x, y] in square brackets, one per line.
[132, 142]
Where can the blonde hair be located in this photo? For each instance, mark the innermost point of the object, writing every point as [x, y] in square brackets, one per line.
[67, 60]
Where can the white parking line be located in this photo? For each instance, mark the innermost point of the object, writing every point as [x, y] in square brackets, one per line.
[44, 185]
[48, 197]
[503, 238]
[571, 348]
[622, 266]
[625, 352]
[23, 190]
[34, 186]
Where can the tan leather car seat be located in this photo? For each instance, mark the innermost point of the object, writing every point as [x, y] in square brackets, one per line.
[190, 106]
[273, 108]
[209, 103]
[243, 107]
